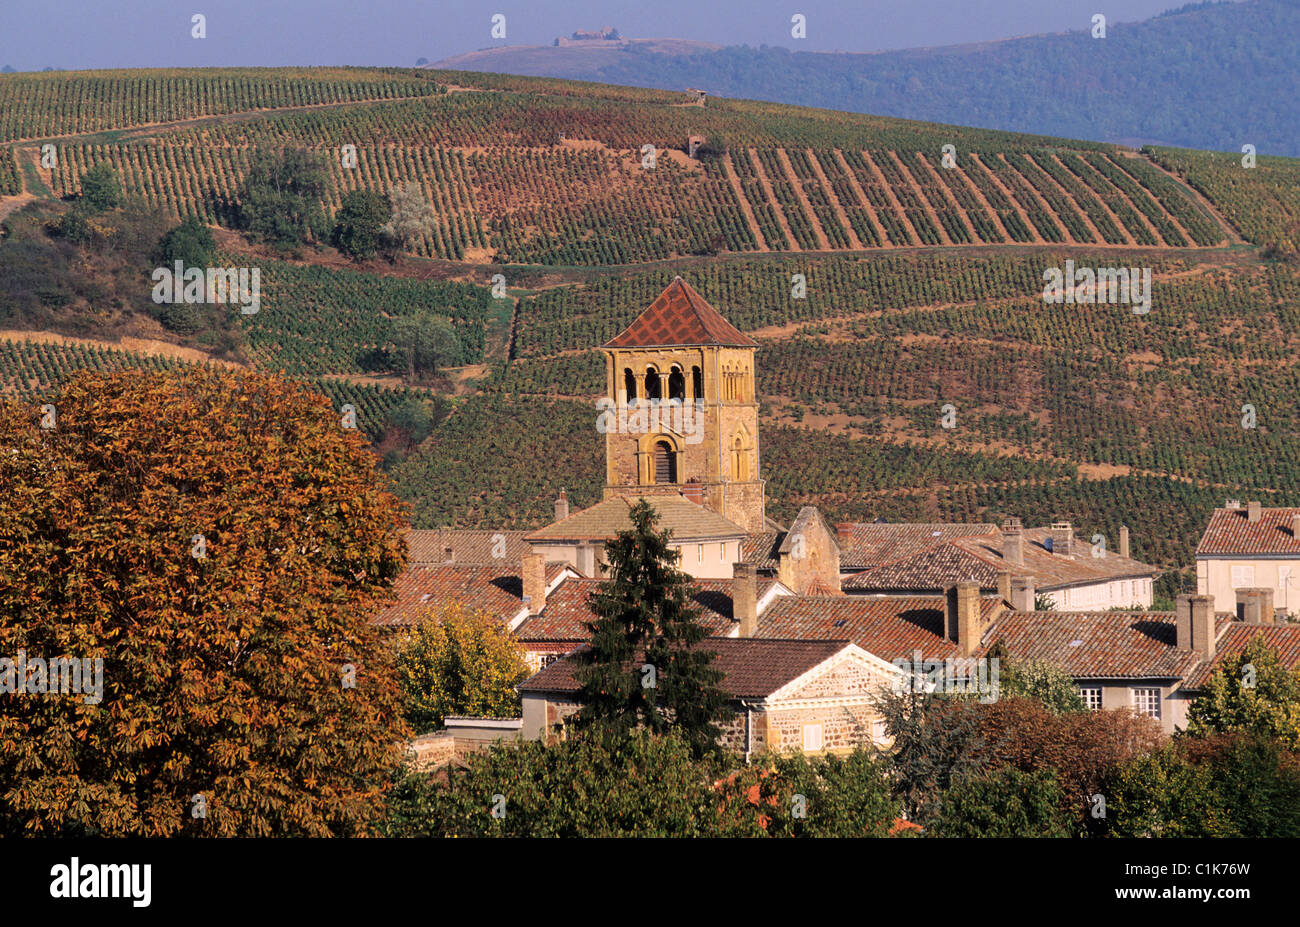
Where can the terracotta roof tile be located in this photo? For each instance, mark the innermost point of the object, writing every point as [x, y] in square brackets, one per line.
[427, 547]
[760, 550]
[891, 627]
[1233, 638]
[1052, 570]
[604, 520]
[567, 608]
[871, 544]
[931, 570]
[753, 667]
[679, 316]
[497, 591]
[1097, 644]
[1231, 532]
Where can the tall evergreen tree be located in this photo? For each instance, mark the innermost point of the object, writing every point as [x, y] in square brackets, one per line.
[644, 668]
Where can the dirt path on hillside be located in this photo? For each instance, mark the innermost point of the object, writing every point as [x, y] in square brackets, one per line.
[777, 209]
[834, 200]
[1012, 199]
[150, 128]
[867, 205]
[746, 208]
[1231, 235]
[796, 184]
[146, 346]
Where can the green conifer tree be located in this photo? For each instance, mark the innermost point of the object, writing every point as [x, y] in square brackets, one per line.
[643, 668]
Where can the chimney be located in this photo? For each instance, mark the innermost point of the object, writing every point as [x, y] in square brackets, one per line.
[1183, 622]
[1202, 621]
[1004, 584]
[1266, 613]
[1123, 541]
[1295, 526]
[1248, 606]
[533, 568]
[1022, 593]
[1062, 538]
[587, 559]
[449, 555]
[1253, 511]
[744, 598]
[1013, 542]
[561, 506]
[844, 535]
[963, 616]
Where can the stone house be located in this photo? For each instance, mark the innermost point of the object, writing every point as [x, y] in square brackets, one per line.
[809, 696]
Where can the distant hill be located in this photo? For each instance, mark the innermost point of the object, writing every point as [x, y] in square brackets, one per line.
[575, 60]
[1215, 76]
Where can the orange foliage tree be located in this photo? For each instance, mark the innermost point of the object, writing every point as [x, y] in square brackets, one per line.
[220, 541]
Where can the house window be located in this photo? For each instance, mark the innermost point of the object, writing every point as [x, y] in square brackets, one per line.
[812, 738]
[1243, 575]
[1091, 697]
[1147, 702]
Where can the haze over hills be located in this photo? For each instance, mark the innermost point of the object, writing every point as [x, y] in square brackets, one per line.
[1212, 76]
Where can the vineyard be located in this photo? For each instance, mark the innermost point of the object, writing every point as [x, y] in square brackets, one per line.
[1263, 202]
[10, 181]
[45, 105]
[548, 173]
[315, 321]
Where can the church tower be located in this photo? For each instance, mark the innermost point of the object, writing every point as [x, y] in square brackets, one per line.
[681, 414]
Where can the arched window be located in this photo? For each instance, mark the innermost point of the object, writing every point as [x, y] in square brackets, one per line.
[629, 384]
[739, 460]
[652, 383]
[698, 376]
[676, 384]
[665, 463]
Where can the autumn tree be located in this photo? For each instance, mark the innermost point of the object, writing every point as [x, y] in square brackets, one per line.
[644, 667]
[459, 661]
[1250, 692]
[220, 541]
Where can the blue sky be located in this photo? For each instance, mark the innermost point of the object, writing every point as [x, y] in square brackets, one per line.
[156, 33]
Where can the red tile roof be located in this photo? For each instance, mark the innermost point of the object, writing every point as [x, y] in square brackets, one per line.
[1234, 637]
[871, 544]
[428, 547]
[1230, 532]
[497, 591]
[679, 316]
[567, 608]
[753, 667]
[931, 570]
[1097, 644]
[891, 627]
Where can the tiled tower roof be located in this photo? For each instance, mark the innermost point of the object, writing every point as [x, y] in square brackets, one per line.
[679, 317]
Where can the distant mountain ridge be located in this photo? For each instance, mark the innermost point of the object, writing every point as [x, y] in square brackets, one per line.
[1210, 75]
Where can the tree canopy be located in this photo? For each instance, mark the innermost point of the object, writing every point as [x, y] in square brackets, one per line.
[221, 542]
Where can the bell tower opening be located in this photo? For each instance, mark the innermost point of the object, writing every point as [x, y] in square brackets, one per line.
[665, 463]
